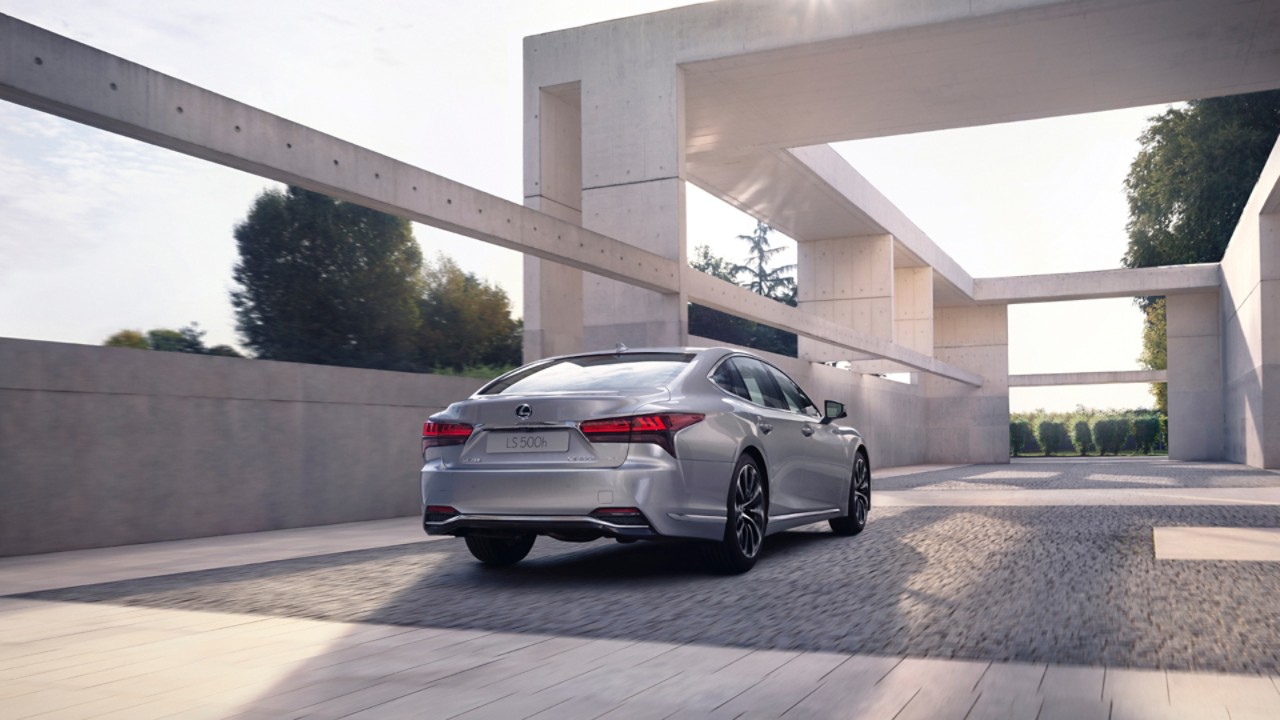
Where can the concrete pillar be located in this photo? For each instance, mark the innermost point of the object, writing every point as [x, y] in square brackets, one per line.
[913, 308]
[1195, 377]
[965, 424]
[553, 185]
[633, 190]
[847, 281]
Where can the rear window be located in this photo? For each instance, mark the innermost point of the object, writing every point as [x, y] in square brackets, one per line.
[629, 371]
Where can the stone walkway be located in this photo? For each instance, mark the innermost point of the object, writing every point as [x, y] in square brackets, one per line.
[980, 611]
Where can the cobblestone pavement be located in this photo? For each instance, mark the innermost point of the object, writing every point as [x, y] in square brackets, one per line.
[1069, 473]
[1077, 585]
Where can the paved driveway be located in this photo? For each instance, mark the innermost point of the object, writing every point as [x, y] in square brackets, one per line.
[1051, 583]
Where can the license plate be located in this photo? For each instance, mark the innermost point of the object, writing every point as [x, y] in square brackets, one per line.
[528, 442]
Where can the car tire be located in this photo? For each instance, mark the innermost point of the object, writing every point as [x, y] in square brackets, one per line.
[859, 499]
[500, 551]
[746, 520]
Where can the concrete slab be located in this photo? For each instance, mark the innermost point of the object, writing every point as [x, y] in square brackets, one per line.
[30, 573]
[1217, 543]
[506, 675]
[1042, 498]
[890, 472]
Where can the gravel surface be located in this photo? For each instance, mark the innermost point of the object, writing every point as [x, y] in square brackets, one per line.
[1047, 584]
[1065, 473]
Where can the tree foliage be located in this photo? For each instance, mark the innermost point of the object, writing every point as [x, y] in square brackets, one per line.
[1110, 434]
[128, 339]
[1146, 432]
[466, 322]
[1082, 437]
[1193, 175]
[1187, 188]
[776, 283]
[1019, 434]
[188, 339]
[1052, 436]
[328, 282]
[1155, 355]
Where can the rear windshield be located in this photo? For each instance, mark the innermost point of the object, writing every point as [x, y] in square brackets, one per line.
[630, 371]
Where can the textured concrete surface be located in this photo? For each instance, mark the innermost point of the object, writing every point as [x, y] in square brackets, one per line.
[1061, 585]
[64, 661]
[29, 573]
[1210, 543]
[933, 612]
[113, 446]
[1092, 473]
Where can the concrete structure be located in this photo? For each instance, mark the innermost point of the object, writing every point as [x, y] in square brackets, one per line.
[113, 446]
[1088, 378]
[739, 98]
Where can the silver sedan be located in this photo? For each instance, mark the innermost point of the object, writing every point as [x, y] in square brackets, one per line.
[706, 444]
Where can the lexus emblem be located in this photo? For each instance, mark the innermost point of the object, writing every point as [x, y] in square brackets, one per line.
[523, 411]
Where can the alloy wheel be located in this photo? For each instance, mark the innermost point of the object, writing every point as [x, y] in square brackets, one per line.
[748, 500]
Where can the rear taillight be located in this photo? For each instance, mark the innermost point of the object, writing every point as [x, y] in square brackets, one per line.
[441, 434]
[659, 429]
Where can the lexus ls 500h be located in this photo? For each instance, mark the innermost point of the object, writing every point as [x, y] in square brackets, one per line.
[706, 444]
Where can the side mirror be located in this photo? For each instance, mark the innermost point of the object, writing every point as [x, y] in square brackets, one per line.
[833, 410]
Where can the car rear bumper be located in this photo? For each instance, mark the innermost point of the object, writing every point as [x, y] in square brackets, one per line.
[678, 498]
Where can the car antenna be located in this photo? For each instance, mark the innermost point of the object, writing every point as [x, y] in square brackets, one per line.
[619, 348]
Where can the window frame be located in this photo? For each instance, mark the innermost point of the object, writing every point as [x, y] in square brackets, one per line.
[768, 367]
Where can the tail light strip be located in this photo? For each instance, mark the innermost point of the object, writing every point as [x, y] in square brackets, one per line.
[658, 429]
[442, 434]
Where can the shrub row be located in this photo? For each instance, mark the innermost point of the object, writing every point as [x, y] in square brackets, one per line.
[1081, 435]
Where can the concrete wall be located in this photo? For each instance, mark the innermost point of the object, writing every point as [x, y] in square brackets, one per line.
[968, 424]
[890, 415]
[1250, 318]
[1194, 377]
[112, 446]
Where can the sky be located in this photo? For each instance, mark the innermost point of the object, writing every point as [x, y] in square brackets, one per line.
[100, 233]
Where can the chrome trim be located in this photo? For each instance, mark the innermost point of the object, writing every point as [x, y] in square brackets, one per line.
[550, 519]
[696, 518]
[814, 513]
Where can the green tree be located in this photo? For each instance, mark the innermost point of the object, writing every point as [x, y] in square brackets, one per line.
[1155, 346]
[466, 322]
[129, 339]
[1019, 432]
[188, 339]
[1187, 187]
[1146, 431]
[708, 262]
[327, 282]
[778, 282]
[1052, 436]
[724, 327]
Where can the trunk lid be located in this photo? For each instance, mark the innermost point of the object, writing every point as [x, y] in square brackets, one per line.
[541, 431]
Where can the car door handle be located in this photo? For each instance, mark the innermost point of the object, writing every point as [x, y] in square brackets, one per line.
[807, 430]
[765, 428]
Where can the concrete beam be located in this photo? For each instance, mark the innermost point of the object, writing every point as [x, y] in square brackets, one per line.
[1136, 282]
[727, 297]
[51, 73]
[1115, 377]
[832, 173]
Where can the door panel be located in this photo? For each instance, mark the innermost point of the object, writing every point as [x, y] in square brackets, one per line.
[782, 436]
[825, 461]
